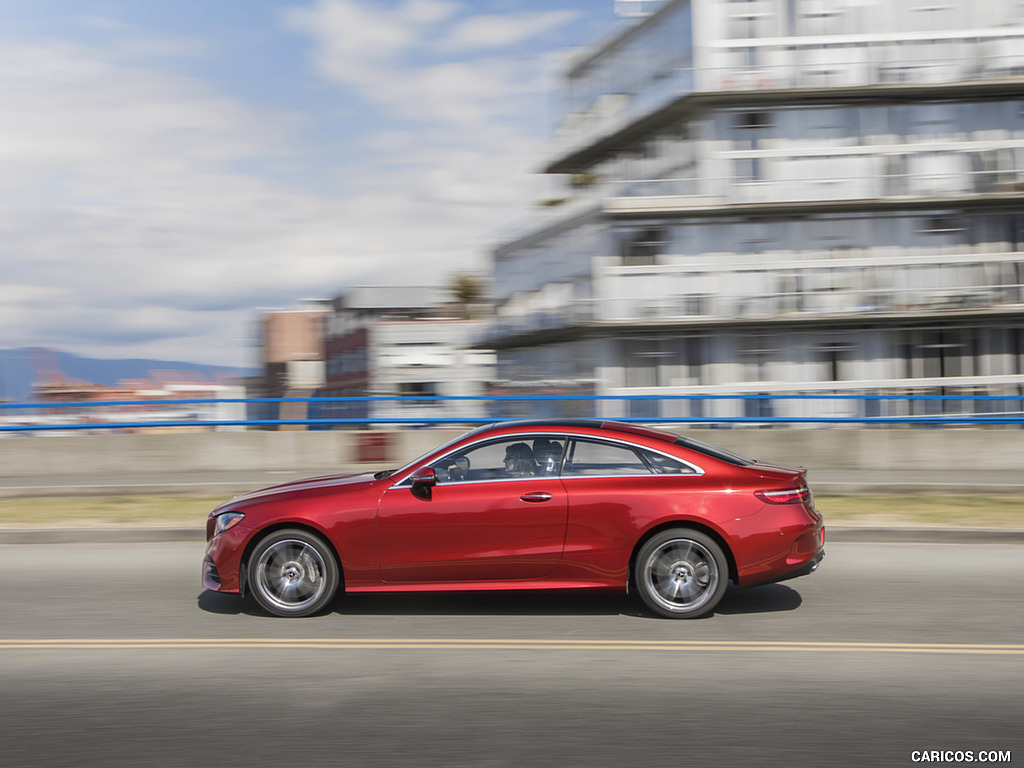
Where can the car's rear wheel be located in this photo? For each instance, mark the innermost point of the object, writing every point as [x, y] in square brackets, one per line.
[681, 573]
[293, 572]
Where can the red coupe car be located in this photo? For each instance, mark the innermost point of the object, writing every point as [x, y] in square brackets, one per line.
[569, 504]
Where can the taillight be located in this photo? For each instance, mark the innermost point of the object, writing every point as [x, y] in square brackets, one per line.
[785, 495]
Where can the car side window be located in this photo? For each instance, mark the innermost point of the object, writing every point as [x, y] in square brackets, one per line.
[590, 458]
[508, 459]
[663, 465]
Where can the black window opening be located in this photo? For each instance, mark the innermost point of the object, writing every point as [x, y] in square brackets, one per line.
[643, 247]
[753, 120]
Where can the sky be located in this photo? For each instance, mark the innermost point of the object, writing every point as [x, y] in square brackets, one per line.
[170, 169]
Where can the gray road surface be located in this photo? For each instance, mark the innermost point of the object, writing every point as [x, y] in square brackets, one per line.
[396, 695]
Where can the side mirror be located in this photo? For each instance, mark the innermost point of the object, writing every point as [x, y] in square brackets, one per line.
[422, 481]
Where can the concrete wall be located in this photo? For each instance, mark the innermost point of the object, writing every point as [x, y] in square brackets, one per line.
[319, 452]
[871, 449]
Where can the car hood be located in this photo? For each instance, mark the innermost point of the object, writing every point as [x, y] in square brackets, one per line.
[348, 481]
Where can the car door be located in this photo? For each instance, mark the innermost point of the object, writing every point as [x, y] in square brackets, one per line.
[497, 512]
[614, 488]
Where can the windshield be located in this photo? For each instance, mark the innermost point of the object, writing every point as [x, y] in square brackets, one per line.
[451, 442]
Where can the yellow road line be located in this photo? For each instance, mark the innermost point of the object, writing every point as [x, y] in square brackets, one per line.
[793, 646]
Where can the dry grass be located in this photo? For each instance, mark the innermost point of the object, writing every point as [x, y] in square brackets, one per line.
[940, 510]
[188, 511]
[83, 512]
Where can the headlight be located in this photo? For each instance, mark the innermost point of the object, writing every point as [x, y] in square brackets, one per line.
[226, 520]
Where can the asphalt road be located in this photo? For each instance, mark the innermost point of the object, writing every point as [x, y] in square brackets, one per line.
[113, 655]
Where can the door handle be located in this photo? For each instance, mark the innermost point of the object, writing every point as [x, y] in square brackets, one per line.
[536, 496]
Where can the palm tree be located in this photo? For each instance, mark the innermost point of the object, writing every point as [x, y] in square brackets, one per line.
[466, 289]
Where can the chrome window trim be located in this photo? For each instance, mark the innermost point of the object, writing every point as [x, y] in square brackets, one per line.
[500, 480]
[485, 441]
[617, 477]
[697, 471]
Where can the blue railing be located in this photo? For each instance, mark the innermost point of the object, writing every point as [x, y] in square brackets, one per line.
[697, 410]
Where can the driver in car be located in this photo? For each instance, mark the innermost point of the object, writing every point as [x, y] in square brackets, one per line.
[519, 461]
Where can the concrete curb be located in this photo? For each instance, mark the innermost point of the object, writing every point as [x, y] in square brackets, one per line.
[128, 535]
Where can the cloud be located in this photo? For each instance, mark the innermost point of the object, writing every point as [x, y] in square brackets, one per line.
[353, 36]
[144, 214]
[119, 187]
[401, 59]
[502, 31]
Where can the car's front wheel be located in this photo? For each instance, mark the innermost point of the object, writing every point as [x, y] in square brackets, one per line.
[293, 572]
[681, 573]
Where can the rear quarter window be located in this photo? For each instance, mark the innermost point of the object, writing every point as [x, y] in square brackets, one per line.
[592, 458]
[663, 465]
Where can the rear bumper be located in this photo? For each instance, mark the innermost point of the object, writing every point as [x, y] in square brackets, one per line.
[801, 570]
[809, 567]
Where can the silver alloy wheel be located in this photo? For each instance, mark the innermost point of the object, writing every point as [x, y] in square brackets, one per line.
[291, 575]
[681, 575]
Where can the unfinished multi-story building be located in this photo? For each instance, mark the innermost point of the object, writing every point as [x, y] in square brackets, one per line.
[779, 197]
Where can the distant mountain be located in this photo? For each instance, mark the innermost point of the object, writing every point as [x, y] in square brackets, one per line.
[18, 369]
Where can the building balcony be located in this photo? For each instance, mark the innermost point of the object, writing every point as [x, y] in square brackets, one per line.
[676, 197]
[909, 399]
[842, 61]
[703, 310]
[852, 304]
[916, 188]
[794, 72]
[576, 315]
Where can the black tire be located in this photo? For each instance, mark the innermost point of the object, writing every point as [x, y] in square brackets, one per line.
[293, 573]
[681, 573]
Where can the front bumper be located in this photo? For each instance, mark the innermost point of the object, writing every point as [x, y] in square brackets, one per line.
[211, 576]
[223, 559]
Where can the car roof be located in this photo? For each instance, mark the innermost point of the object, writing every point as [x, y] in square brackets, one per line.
[614, 426]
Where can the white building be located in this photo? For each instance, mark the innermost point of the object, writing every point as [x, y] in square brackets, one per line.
[780, 197]
[403, 341]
